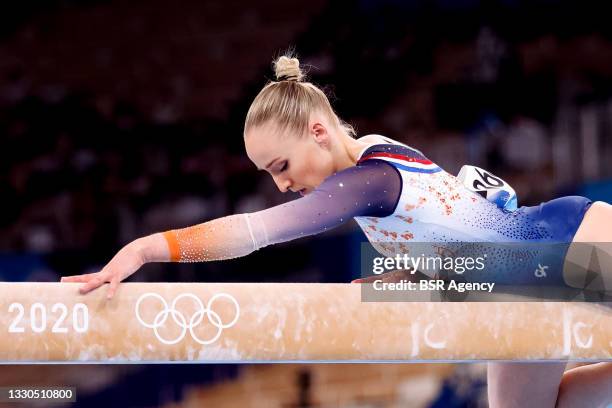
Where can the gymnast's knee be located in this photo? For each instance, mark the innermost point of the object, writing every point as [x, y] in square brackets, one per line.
[586, 386]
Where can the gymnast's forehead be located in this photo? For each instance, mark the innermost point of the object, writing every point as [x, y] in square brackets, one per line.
[266, 142]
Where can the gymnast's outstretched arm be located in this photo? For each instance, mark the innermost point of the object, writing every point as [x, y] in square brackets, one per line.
[371, 188]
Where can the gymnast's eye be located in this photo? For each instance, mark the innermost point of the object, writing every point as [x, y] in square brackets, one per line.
[285, 166]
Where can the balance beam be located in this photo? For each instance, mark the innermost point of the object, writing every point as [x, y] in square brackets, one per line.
[250, 322]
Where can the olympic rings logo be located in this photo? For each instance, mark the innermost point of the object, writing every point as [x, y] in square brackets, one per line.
[179, 319]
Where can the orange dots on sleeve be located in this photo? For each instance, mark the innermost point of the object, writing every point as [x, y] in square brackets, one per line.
[221, 238]
[189, 244]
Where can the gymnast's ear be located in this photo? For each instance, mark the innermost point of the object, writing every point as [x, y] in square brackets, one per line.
[319, 132]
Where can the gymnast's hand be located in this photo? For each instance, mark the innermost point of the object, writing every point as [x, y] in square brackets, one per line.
[127, 261]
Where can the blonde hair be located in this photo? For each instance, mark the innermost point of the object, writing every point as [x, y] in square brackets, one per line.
[289, 101]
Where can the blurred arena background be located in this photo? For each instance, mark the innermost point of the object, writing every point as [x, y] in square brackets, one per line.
[123, 118]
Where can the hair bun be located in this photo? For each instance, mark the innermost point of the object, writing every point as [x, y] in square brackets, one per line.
[287, 69]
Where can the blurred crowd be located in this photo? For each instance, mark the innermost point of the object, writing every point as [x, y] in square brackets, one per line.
[95, 155]
[120, 119]
[78, 185]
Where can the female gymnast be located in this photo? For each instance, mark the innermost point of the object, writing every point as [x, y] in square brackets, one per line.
[395, 194]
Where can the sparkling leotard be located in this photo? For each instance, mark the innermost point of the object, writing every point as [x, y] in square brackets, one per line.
[396, 195]
[435, 207]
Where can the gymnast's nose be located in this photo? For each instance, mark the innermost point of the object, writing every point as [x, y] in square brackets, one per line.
[283, 183]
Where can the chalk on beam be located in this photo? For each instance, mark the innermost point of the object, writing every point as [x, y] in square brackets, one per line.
[246, 322]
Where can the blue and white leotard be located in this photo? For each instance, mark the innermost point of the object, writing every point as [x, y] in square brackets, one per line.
[436, 207]
[397, 195]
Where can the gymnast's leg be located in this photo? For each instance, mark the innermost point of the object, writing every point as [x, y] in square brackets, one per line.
[595, 226]
[591, 250]
[537, 384]
[524, 385]
[591, 386]
[586, 386]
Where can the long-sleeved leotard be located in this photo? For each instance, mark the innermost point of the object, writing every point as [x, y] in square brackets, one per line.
[369, 189]
[396, 195]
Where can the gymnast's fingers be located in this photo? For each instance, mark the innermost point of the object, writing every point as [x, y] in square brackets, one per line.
[114, 284]
[92, 284]
[78, 278]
